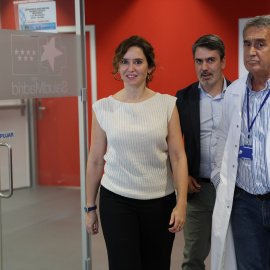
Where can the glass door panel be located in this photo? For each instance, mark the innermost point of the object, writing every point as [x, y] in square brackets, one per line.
[41, 224]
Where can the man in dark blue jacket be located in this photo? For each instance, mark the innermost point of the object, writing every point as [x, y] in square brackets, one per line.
[200, 107]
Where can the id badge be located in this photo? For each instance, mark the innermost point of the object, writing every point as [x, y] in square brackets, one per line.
[245, 152]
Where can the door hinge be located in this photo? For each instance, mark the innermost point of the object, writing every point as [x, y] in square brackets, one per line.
[83, 94]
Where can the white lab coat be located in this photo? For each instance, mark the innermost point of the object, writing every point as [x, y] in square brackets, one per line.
[222, 246]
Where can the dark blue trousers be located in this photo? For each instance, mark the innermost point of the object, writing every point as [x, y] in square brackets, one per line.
[251, 231]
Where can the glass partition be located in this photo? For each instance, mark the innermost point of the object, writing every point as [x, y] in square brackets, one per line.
[41, 224]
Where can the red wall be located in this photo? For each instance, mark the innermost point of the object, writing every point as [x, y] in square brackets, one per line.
[171, 26]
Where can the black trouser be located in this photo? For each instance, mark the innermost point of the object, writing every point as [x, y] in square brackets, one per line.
[136, 231]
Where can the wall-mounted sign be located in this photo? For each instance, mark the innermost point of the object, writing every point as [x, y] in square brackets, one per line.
[39, 64]
[35, 15]
[6, 134]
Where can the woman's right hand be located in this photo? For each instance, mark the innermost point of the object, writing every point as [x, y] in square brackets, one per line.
[91, 222]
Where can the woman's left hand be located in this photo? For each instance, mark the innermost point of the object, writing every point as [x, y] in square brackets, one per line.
[178, 218]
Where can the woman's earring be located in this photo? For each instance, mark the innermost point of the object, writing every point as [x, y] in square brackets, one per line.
[114, 75]
[149, 77]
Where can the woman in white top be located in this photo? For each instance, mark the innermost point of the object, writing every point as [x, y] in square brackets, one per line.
[136, 140]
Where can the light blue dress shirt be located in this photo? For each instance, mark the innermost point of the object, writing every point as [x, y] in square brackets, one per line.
[252, 176]
[210, 115]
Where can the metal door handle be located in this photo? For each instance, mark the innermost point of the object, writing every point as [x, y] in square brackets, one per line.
[40, 109]
[10, 172]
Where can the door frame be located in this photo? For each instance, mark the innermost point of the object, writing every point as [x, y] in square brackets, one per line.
[80, 29]
[84, 134]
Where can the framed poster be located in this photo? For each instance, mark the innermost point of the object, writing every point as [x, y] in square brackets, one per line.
[35, 15]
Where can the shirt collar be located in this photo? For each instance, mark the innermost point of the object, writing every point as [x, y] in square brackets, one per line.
[249, 84]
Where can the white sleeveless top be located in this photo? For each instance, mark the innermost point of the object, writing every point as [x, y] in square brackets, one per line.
[137, 164]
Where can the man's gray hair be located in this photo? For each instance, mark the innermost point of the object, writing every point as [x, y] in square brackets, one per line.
[258, 21]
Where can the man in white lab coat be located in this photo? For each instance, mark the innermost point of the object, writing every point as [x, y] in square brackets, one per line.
[241, 218]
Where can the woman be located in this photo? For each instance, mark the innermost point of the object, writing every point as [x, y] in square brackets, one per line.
[135, 136]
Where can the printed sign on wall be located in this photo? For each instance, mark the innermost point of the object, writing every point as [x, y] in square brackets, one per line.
[35, 15]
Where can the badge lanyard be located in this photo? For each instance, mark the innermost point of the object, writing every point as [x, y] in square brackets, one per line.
[250, 126]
